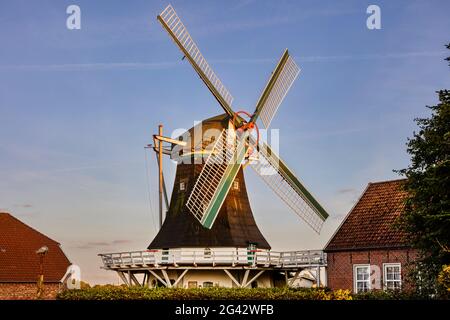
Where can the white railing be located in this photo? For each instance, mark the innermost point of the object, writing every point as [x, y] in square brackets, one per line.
[207, 257]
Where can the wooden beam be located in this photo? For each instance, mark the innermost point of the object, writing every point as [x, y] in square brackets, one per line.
[166, 276]
[180, 277]
[254, 278]
[147, 284]
[158, 277]
[170, 140]
[244, 281]
[144, 279]
[232, 278]
[318, 276]
[122, 276]
[160, 131]
[164, 151]
[292, 280]
[134, 279]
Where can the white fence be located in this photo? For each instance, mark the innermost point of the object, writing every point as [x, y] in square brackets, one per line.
[209, 257]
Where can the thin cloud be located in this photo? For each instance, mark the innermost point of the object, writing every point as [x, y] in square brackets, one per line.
[243, 4]
[100, 66]
[372, 56]
[333, 133]
[121, 241]
[41, 173]
[26, 215]
[126, 66]
[26, 205]
[96, 244]
[346, 190]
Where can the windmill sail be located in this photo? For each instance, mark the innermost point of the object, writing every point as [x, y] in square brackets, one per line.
[286, 185]
[276, 89]
[176, 29]
[216, 178]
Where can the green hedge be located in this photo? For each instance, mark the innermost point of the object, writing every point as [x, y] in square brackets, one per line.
[388, 295]
[140, 293]
[110, 292]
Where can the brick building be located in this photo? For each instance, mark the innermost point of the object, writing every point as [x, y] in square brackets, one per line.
[367, 251]
[19, 263]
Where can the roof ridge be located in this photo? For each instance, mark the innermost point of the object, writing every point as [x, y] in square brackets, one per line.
[388, 181]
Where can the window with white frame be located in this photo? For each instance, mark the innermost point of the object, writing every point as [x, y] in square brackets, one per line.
[361, 278]
[392, 275]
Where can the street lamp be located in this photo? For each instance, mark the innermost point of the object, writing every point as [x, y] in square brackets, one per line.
[40, 282]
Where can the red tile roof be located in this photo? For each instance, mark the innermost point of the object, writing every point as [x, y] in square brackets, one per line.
[18, 259]
[371, 222]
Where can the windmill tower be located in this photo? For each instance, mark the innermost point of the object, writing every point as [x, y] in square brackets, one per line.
[209, 228]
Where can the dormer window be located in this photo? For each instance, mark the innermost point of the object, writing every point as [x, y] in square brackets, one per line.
[182, 185]
[236, 184]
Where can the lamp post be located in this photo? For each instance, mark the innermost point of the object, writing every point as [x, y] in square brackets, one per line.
[40, 282]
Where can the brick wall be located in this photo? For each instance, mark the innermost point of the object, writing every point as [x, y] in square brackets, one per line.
[26, 291]
[340, 265]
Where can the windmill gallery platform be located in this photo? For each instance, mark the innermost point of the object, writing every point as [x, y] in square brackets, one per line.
[209, 236]
[186, 268]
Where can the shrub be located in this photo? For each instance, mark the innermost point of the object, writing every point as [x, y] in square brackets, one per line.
[110, 292]
[341, 295]
[444, 280]
[387, 295]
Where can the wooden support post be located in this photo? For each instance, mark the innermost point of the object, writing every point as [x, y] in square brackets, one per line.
[133, 279]
[144, 279]
[158, 277]
[244, 281]
[318, 277]
[253, 279]
[292, 280]
[166, 199]
[166, 276]
[286, 278]
[122, 276]
[180, 277]
[147, 284]
[231, 277]
[160, 160]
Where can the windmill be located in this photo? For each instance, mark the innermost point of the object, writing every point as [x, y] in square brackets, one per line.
[209, 205]
[209, 236]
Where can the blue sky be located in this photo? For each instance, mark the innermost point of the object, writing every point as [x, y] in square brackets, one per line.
[78, 106]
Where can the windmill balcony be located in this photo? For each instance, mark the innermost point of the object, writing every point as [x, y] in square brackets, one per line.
[232, 258]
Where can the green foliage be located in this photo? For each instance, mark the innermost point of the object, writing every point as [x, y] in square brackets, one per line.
[110, 292]
[444, 280]
[388, 295]
[427, 212]
[84, 285]
[448, 58]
